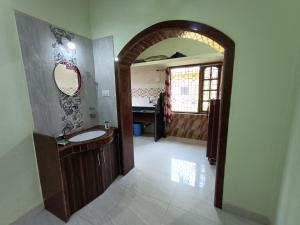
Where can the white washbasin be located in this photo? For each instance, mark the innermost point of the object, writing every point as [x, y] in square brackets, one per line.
[87, 136]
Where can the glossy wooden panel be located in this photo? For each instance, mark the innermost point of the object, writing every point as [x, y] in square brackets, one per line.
[74, 175]
[82, 183]
[106, 166]
[115, 158]
[50, 172]
[125, 116]
[213, 129]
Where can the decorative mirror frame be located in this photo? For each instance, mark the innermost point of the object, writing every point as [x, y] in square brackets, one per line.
[72, 67]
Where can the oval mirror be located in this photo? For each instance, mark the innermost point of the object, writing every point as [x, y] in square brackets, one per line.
[67, 78]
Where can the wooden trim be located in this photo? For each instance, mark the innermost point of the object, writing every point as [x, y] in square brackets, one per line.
[226, 82]
[134, 48]
[52, 183]
[125, 117]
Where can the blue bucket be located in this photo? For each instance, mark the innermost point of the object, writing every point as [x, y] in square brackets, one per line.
[137, 129]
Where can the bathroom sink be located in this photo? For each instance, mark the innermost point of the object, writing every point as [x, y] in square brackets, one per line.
[87, 136]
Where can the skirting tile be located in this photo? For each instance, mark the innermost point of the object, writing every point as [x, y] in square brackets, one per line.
[32, 213]
[246, 214]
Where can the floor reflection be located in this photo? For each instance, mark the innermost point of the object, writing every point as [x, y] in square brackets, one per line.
[183, 172]
[202, 176]
[202, 179]
[187, 172]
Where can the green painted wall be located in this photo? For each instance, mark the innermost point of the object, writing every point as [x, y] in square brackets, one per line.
[19, 183]
[289, 203]
[169, 46]
[264, 32]
[289, 207]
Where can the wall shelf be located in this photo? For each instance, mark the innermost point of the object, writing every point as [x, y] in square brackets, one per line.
[207, 58]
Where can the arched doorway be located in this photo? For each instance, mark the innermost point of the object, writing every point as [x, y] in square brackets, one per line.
[149, 37]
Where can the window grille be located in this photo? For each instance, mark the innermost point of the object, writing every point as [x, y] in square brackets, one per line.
[192, 87]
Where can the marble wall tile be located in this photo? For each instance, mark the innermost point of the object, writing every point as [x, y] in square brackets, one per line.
[187, 125]
[36, 40]
[105, 77]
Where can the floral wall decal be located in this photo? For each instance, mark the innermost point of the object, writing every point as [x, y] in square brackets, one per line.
[59, 34]
[70, 105]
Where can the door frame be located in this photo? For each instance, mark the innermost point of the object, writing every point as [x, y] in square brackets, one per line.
[142, 41]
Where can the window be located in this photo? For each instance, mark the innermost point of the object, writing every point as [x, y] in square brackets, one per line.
[211, 75]
[192, 87]
[185, 89]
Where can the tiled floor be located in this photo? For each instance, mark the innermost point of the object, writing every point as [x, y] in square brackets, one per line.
[172, 184]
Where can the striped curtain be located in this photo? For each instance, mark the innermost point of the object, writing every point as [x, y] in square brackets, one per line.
[167, 105]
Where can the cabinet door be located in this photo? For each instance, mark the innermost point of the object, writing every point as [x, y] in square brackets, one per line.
[106, 166]
[80, 173]
[115, 158]
[99, 172]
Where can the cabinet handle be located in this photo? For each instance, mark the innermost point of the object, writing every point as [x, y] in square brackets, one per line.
[103, 155]
[99, 162]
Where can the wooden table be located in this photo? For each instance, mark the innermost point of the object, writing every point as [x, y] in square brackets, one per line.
[150, 115]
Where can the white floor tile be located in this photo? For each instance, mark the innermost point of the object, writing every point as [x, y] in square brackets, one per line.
[122, 215]
[172, 184]
[177, 216]
[148, 209]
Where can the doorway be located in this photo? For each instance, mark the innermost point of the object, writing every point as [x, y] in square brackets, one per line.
[149, 37]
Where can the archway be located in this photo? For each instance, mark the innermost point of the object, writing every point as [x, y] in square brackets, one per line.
[149, 37]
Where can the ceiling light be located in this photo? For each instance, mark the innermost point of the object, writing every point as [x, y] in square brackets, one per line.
[71, 45]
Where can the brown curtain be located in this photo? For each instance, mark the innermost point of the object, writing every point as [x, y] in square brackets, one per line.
[167, 105]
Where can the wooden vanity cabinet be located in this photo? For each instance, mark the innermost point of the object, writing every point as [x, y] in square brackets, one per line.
[82, 176]
[106, 167]
[83, 171]
[110, 164]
